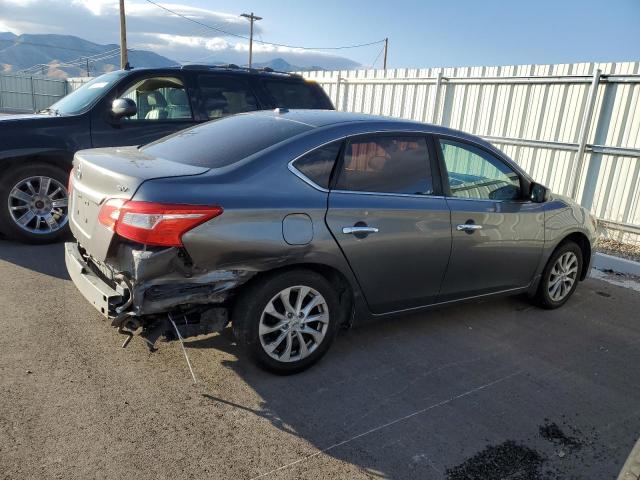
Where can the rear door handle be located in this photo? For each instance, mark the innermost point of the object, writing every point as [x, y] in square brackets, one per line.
[468, 227]
[357, 230]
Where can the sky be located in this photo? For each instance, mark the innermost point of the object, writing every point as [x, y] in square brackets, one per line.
[422, 33]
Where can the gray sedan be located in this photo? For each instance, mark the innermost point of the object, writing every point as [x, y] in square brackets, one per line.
[291, 224]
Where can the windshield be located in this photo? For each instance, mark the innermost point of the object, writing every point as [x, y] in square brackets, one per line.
[79, 100]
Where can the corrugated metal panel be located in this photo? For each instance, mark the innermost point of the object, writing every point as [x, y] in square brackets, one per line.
[27, 94]
[518, 107]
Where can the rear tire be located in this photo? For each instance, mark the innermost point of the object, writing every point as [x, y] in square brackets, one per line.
[281, 332]
[34, 203]
[560, 276]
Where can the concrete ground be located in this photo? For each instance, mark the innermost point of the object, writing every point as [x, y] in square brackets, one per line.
[497, 389]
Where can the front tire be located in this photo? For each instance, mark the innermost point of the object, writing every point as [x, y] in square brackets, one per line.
[287, 321]
[34, 203]
[560, 276]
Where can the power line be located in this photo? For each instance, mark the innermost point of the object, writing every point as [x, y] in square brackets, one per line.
[16, 43]
[93, 58]
[78, 61]
[259, 41]
[377, 57]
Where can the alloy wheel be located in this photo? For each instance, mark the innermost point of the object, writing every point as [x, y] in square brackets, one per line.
[39, 205]
[562, 277]
[293, 324]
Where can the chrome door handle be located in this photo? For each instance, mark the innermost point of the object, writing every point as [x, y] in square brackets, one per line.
[356, 230]
[468, 227]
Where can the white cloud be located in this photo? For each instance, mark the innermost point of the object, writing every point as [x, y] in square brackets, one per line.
[214, 44]
[152, 28]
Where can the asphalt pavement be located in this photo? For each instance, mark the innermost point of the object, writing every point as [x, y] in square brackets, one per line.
[497, 389]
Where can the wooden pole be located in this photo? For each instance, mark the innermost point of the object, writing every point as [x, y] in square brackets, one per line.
[386, 46]
[124, 58]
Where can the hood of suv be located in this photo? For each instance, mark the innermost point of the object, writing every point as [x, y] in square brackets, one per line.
[22, 118]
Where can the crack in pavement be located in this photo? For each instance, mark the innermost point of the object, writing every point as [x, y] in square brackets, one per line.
[388, 424]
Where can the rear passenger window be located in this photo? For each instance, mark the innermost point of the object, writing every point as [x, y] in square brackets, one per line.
[387, 164]
[223, 96]
[317, 165]
[299, 94]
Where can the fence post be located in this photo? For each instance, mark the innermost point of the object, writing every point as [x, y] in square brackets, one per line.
[33, 95]
[344, 104]
[436, 101]
[338, 83]
[583, 137]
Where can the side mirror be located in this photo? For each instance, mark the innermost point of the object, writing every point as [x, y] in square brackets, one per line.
[123, 107]
[539, 193]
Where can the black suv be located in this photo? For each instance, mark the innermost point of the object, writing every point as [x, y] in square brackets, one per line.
[126, 107]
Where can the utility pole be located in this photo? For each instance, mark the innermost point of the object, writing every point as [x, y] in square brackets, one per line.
[386, 47]
[88, 74]
[124, 59]
[252, 18]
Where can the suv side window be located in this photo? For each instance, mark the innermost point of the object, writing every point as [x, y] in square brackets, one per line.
[475, 173]
[159, 99]
[223, 96]
[317, 164]
[296, 94]
[386, 164]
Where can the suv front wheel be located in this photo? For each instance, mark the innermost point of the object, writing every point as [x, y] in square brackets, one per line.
[34, 203]
[287, 321]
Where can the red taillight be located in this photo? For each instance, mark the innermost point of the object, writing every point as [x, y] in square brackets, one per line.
[154, 223]
[110, 212]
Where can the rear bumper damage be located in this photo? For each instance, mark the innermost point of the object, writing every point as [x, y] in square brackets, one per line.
[141, 289]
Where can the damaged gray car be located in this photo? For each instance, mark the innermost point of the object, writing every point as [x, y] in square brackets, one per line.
[291, 224]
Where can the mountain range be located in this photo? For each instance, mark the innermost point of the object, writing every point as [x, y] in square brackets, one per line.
[69, 56]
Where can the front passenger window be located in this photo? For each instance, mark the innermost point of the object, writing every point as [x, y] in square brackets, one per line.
[159, 98]
[476, 174]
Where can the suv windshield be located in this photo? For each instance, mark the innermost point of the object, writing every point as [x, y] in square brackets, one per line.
[80, 99]
[222, 142]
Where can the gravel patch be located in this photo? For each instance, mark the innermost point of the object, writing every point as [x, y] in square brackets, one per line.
[619, 249]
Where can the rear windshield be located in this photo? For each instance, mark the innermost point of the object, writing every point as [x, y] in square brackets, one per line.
[222, 142]
[289, 94]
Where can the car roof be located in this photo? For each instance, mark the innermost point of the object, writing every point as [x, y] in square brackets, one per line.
[365, 123]
[225, 69]
[327, 118]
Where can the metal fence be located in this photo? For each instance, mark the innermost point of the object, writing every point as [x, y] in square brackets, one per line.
[20, 93]
[573, 127]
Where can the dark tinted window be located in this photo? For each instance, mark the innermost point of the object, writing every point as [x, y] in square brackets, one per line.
[225, 96]
[317, 165]
[388, 164]
[299, 94]
[475, 173]
[225, 141]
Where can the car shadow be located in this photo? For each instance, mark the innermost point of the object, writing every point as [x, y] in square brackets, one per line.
[419, 396]
[46, 259]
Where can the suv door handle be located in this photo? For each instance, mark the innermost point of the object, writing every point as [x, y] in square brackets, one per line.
[359, 230]
[468, 227]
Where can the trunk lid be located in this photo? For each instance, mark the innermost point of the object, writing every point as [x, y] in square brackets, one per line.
[105, 173]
